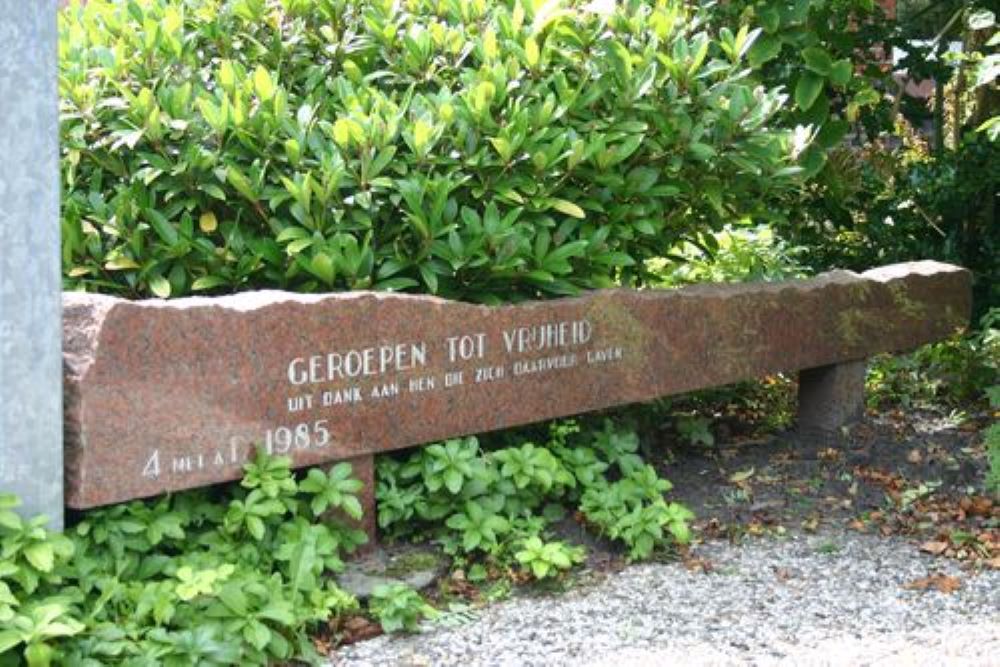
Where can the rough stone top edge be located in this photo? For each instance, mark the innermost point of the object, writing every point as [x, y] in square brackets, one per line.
[925, 267]
[255, 300]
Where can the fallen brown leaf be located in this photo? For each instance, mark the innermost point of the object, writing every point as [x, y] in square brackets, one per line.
[830, 454]
[358, 628]
[940, 582]
[934, 547]
[980, 506]
[698, 565]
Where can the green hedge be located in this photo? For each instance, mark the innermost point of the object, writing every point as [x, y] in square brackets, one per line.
[478, 150]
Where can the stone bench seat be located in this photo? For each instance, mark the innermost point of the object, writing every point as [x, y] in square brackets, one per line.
[169, 395]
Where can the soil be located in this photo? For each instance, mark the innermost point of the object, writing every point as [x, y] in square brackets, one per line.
[918, 473]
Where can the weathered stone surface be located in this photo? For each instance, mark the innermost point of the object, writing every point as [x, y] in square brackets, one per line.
[31, 447]
[831, 396]
[415, 566]
[170, 395]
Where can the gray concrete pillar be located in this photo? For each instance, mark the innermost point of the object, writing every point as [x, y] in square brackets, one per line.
[31, 421]
[831, 397]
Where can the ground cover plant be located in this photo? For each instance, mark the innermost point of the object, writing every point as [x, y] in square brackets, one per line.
[241, 574]
[236, 576]
[492, 509]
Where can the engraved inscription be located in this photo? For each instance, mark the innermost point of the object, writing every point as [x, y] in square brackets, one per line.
[338, 380]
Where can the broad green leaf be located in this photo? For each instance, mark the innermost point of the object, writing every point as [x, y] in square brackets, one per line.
[40, 555]
[213, 190]
[807, 90]
[531, 52]
[421, 135]
[700, 54]
[207, 222]
[832, 133]
[567, 207]
[490, 44]
[817, 60]
[621, 59]
[227, 75]
[241, 183]
[322, 267]
[10, 520]
[840, 72]
[121, 264]
[8, 640]
[162, 226]
[770, 18]
[207, 282]
[764, 49]
[160, 286]
[352, 507]
[39, 654]
[263, 84]
[453, 480]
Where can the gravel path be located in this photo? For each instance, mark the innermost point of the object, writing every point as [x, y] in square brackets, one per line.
[826, 599]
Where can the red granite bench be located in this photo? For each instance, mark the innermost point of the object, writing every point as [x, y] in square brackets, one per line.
[167, 395]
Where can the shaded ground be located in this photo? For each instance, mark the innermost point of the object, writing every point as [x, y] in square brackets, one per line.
[919, 475]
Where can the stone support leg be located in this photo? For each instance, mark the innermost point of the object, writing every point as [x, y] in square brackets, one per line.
[831, 397]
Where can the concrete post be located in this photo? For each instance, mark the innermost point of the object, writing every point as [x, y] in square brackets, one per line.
[831, 397]
[31, 420]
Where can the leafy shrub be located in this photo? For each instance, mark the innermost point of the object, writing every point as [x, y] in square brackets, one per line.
[992, 438]
[484, 151]
[951, 372]
[897, 206]
[180, 580]
[876, 194]
[821, 51]
[633, 510]
[736, 254]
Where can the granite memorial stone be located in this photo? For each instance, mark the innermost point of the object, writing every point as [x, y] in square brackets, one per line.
[167, 395]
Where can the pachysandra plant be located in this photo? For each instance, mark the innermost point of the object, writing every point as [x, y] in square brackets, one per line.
[499, 508]
[488, 151]
[231, 576]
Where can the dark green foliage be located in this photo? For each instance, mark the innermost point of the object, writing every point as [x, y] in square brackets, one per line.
[953, 373]
[483, 151]
[822, 52]
[882, 197]
[181, 580]
[907, 206]
[992, 438]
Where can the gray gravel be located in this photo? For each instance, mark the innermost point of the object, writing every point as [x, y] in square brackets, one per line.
[827, 599]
